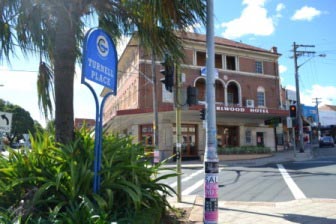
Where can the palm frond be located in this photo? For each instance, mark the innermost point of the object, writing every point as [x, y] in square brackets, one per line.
[45, 90]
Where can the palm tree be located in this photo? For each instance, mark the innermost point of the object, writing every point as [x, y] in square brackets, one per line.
[54, 29]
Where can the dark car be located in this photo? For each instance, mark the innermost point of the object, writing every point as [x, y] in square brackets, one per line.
[327, 141]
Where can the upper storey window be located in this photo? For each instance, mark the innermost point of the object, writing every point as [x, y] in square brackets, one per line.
[201, 59]
[231, 63]
[259, 67]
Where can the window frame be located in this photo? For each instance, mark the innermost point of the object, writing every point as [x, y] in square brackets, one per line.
[261, 102]
[248, 137]
[232, 59]
[259, 68]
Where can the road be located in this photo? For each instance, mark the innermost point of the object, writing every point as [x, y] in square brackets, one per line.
[271, 183]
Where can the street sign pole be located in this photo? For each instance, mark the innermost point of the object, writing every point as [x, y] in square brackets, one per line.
[100, 66]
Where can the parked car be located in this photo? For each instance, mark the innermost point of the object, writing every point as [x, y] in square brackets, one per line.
[327, 141]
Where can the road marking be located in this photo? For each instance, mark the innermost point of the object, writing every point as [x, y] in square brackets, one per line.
[296, 191]
[187, 178]
[198, 184]
[312, 162]
[193, 187]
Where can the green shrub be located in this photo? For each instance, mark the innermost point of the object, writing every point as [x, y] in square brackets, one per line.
[52, 183]
[243, 150]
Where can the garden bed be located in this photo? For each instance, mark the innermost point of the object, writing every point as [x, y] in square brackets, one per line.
[242, 153]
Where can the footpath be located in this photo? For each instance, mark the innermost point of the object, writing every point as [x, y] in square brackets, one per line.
[303, 211]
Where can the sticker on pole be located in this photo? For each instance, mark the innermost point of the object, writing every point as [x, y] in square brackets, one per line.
[100, 59]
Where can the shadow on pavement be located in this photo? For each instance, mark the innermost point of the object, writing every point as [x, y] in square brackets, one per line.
[308, 219]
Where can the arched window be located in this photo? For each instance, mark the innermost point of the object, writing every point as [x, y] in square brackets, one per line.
[232, 93]
[200, 85]
[261, 97]
[219, 91]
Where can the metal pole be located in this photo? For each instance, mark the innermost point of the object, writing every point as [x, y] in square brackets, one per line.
[293, 137]
[298, 102]
[318, 118]
[178, 132]
[210, 155]
[155, 111]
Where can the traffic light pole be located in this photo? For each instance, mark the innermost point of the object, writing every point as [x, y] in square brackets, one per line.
[210, 155]
[155, 112]
[178, 131]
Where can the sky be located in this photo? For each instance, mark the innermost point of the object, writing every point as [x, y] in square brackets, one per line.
[261, 23]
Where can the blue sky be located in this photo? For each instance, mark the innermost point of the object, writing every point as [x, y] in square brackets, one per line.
[280, 23]
[261, 23]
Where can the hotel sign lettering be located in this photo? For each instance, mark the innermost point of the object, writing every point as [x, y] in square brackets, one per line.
[243, 110]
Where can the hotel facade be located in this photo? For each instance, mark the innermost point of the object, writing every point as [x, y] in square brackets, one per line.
[247, 91]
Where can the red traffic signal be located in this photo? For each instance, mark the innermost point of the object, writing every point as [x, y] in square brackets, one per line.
[292, 111]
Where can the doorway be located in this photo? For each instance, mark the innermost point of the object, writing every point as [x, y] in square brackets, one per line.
[260, 138]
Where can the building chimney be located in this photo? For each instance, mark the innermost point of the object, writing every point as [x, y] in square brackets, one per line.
[274, 50]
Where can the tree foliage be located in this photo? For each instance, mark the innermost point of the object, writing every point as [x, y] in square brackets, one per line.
[22, 122]
[52, 183]
[55, 29]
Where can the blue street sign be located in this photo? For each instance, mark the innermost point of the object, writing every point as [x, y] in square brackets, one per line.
[99, 65]
[100, 59]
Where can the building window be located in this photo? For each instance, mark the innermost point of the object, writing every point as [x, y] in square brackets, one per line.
[200, 85]
[189, 138]
[218, 61]
[146, 135]
[200, 58]
[259, 67]
[261, 97]
[230, 62]
[233, 94]
[248, 137]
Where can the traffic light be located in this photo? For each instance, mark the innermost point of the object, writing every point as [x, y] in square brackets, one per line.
[202, 114]
[168, 72]
[192, 95]
[292, 111]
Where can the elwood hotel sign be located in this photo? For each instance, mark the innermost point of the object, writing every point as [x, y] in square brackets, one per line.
[251, 110]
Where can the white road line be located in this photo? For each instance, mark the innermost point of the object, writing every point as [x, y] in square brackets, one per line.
[193, 187]
[313, 162]
[187, 178]
[296, 191]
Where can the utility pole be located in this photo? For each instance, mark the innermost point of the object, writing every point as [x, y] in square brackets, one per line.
[210, 155]
[298, 102]
[317, 101]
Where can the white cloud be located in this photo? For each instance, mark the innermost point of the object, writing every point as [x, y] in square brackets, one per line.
[282, 69]
[195, 28]
[278, 10]
[19, 88]
[280, 7]
[306, 13]
[308, 96]
[253, 20]
[318, 91]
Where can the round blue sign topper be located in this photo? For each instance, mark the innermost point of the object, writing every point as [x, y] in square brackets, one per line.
[100, 59]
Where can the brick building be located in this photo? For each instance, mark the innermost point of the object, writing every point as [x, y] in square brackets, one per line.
[80, 122]
[247, 91]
